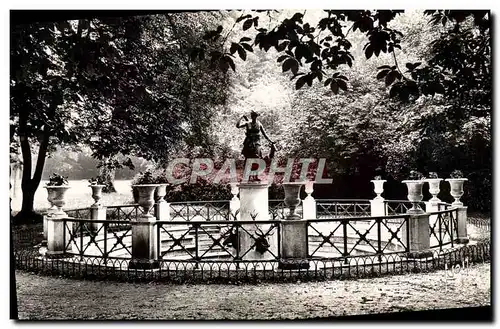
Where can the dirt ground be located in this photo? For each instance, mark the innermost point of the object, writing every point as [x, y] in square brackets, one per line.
[42, 297]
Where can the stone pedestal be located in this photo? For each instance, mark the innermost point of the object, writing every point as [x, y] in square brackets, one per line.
[162, 210]
[254, 201]
[462, 225]
[254, 206]
[309, 208]
[378, 207]
[432, 206]
[309, 204]
[50, 212]
[294, 247]
[58, 235]
[419, 239]
[234, 203]
[144, 243]
[97, 213]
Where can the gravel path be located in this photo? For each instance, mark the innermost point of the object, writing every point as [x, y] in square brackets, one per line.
[42, 297]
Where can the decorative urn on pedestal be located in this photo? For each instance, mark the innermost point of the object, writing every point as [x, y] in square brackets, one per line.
[456, 186]
[145, 187]
[434, 182]
[96, 184]
[161, 190]
[414, 185]
[378, 184]
[56, 191]
[292, 198]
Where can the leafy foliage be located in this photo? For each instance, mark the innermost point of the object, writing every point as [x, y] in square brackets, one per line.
[142, 178]
[98, 180]
[57, 180]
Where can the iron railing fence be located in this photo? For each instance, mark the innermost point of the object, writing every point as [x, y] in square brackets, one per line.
[199, 240]
[358, 235]
[222, 271]
[336, 208]
[79, 213]
[481, 223]
[200, 210]
[443, 227]
[396, 207]
[129, 212]
[99, 238]
[26, 236]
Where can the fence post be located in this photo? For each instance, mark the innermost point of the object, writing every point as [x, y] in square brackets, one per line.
[234, 204]
[144, 232]
[433, 204]
[294, 245]
[57, 235]
[162, 208]
[378, 204]
[254, 206]
[417, 234]
[97, 212]
[50, 212]
[309, 204]
[462, 225]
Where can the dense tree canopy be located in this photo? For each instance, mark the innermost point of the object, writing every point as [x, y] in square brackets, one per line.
[120, 85]
[373, 91]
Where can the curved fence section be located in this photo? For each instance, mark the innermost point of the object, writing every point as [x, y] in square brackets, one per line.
[222, 271]
[206, 237]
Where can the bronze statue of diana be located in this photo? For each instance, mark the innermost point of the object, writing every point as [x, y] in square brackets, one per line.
[251, 146]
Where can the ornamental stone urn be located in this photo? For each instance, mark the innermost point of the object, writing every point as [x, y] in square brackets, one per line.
[96, 193]
[50, 197]
[309, 189]
[234, 191]
[161, 191]
[56, 196]
[292, 198]
[456, 189]
[146, 197]
[415, 194]
[378, 188]
[434, 188]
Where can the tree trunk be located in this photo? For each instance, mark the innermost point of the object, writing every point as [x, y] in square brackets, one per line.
[28, 199]
[108, 174]
[30, 185]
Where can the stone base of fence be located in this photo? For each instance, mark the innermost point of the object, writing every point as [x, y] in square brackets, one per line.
[419, 254]
[141, 264]
[294, 264]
